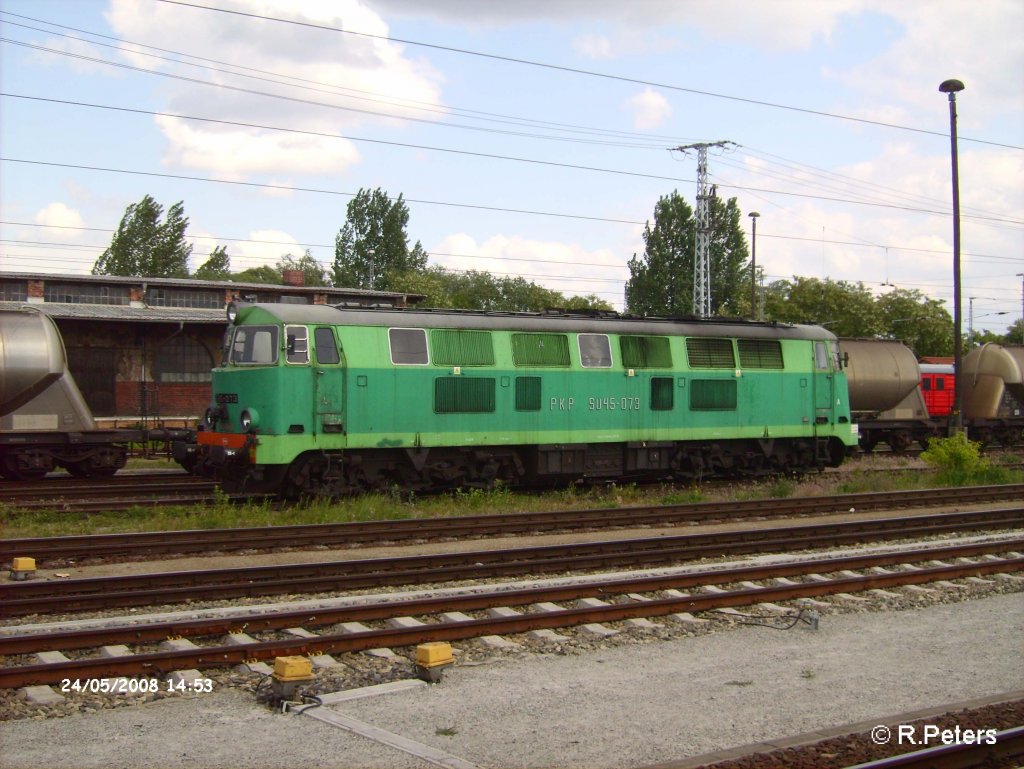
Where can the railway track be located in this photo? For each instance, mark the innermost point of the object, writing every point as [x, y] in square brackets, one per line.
[41, 597]
[121, 492]
[45, 549]
[1007, 749]
[444, 617]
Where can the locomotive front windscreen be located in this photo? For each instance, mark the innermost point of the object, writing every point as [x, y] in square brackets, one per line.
[254, 345]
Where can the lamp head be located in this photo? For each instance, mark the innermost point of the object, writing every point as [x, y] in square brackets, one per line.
[951, 86]
[753, 214]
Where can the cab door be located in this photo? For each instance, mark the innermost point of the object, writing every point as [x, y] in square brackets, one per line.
[329, 381]
[824, 384]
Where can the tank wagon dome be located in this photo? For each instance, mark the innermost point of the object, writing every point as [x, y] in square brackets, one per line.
[881, 373]
[569, 322]
[989, 372]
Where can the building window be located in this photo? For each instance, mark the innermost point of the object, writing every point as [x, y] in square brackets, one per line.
[182, 359]
[87, 293]
[176, 297]
[13, 290]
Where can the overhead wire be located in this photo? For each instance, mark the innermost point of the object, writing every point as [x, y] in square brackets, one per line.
[653, 140]
[580, 71]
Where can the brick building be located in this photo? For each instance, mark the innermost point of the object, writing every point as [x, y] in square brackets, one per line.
[141, 349]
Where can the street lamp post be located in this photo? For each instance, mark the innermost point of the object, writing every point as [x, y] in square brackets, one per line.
[753, 265]
[953, 87]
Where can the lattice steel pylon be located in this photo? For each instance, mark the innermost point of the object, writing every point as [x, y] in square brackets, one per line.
[702, 243]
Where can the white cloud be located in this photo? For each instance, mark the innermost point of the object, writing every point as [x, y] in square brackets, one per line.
[939, 40]
[59, 215]
[650, 109]
[238, 153]
[269, 246]
[334, 83]
[778, 25]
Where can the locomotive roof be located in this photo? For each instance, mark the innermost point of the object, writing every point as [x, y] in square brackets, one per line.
[534, 322]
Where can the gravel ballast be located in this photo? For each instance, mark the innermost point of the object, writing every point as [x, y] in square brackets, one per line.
[629, 705]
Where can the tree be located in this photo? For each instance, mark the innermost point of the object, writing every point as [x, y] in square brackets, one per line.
[372, 248]
[217, 267]
[922, 323]
[1015, 333]
[313, 273]
[661, 282]
[477, 290]
[145, 246]
[846, 309]
[262, 274]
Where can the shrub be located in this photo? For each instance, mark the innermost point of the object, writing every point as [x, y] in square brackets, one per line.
[956, 460]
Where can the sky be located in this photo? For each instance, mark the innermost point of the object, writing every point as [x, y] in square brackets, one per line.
[528, 138]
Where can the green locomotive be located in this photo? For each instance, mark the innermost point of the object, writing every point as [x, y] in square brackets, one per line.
[327, 400]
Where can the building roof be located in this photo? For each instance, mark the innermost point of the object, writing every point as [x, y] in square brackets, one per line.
[190, 283]
[113, 312]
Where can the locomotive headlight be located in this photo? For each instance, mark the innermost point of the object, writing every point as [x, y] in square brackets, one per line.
[250, 418]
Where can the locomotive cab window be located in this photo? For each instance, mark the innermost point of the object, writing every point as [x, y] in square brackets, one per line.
[297, 342]
[408, 346]
[326, 348]
[821, 361]
[254, 345]
[595, 352]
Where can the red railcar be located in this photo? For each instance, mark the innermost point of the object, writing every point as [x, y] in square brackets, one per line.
[938, 388]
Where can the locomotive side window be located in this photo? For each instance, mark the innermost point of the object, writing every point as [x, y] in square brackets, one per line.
[297, 344]
[702, 352]
[540, 350]
[940, 383]
[645, 352]
[662, 393]
[528, 393]
[254, 345]
[713, 395]
[595, 352]
[463, 395]
[326, 347]
[760, 353]
[457, 347]
[408, 346]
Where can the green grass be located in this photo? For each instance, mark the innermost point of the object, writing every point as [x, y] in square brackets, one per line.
[394, 505]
